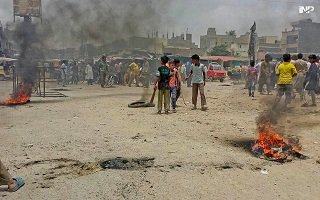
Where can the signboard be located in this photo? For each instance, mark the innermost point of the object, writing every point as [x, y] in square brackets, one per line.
[23, 8]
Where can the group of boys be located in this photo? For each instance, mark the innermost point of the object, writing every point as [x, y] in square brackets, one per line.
[168, 83]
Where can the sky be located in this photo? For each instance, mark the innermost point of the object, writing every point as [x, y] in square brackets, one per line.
[271, 16]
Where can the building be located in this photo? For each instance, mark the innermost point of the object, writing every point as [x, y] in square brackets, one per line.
[181, 44]
[6, 47]
[183, 41]
[240, 47]
[268, 45]
[302, 38]
[181, 51]
[212, 39]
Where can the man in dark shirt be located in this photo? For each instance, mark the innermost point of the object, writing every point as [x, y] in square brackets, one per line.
[162, 83]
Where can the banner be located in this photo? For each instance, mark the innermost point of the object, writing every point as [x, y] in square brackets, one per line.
[24, 8]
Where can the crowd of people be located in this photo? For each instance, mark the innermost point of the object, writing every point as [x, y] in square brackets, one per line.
[106, 72]
[291, 75]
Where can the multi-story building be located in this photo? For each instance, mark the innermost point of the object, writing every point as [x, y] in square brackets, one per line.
[302, 38]
[181, 44]
[212, 39]
[6, 47]
[268, 45]
[240, 47]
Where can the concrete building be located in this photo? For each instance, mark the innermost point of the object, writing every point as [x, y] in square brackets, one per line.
[154, 45]
[6, 47]
[268, 45]
[302, 38]
[187, 52]
[181, 44]
[183, 41]
[240, 47]
[212, 39]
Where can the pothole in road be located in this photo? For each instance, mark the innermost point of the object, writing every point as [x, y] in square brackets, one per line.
[128, 164]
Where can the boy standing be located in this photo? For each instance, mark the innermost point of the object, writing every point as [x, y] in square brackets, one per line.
[174, 84]
[162, 83]
[252, 75]
[198, 71]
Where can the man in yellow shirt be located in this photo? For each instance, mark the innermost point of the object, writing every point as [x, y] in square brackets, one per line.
[286, 71]
[134, 73]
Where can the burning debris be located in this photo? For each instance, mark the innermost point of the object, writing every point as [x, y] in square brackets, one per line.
[271, 146]
[21, 96]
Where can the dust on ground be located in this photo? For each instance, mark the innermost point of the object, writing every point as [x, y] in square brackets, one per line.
[58, 145]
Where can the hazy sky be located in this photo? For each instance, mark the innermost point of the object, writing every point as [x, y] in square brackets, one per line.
[272, 16]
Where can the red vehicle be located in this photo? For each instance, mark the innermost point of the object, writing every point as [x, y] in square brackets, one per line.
[216, 72]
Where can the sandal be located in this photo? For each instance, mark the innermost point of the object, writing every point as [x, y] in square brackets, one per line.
[19, 184]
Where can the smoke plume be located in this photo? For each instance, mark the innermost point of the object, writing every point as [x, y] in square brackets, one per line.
[102, 21]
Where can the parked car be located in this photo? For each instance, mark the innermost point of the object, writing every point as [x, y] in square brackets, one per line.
[216, 72]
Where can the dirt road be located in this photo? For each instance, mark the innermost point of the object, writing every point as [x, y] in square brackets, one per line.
[58, 144]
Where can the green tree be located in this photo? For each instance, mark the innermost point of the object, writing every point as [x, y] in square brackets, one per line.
[231, 33]
[221, 50]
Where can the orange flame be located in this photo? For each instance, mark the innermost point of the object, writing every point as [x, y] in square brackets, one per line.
[22, 96]
[272, 146]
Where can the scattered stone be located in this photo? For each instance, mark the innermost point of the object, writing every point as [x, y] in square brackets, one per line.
[138, 136]
[264, 172]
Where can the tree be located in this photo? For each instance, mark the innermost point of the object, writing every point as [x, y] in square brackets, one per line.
[231, 33]
[221, 50]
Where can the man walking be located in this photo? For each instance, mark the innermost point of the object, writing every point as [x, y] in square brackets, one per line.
[252, 76]
[89, 74]
[198, 71]
[286, 71]
[103, 67]
[311, 83]
[302, 69]
[63, 70]
[134, 73]
[146, 73]
[188, 70]
[265, 74]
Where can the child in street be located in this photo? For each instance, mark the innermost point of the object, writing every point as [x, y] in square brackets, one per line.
[198, 73]
[162, 83]
[252, 75]
[174, 84]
